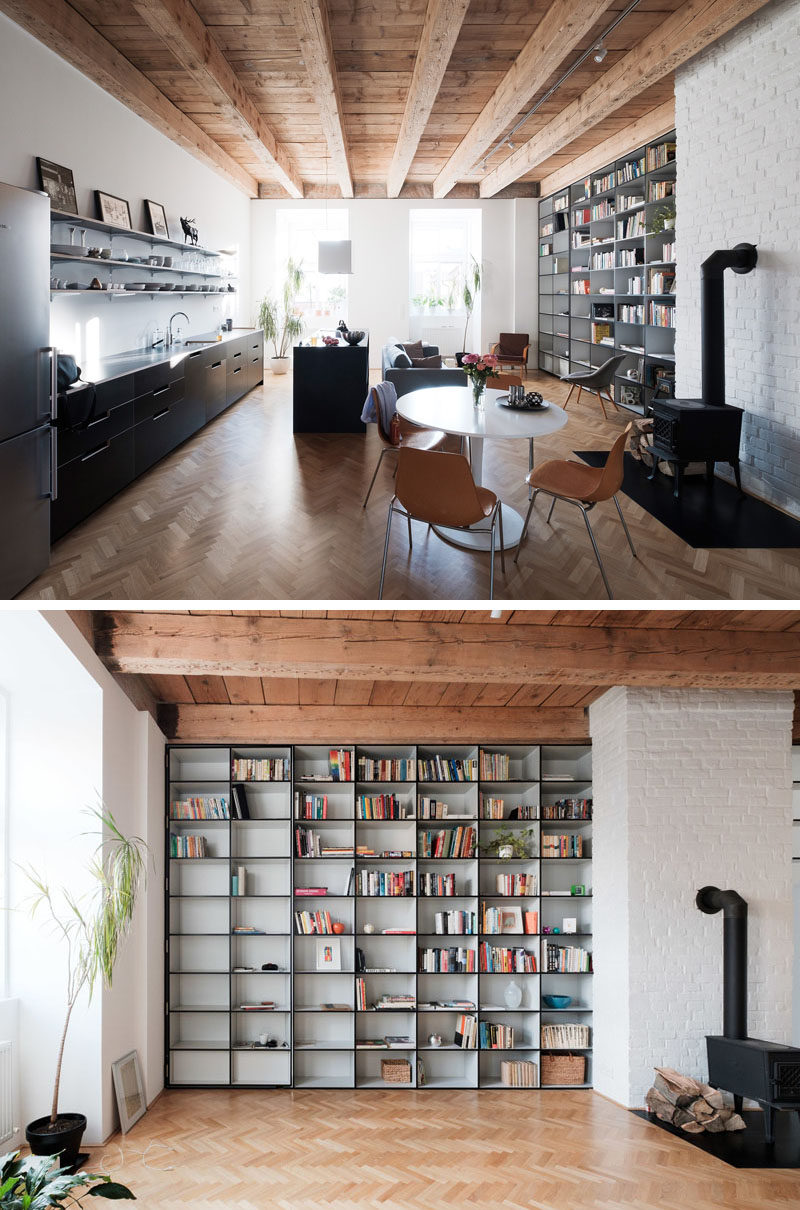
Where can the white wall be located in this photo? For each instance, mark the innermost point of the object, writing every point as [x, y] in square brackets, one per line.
[691, 788]
[53, 111]
[737, 108]
[378, 296]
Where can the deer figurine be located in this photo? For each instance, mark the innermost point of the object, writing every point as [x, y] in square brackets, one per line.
[189, 232]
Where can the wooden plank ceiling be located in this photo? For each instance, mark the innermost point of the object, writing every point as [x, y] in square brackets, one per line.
[354, 97]
[402, 675]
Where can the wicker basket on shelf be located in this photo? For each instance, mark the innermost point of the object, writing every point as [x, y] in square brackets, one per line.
[396, 1071]
[563, 1069]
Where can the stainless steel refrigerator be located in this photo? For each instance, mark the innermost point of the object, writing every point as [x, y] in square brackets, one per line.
[27, 389]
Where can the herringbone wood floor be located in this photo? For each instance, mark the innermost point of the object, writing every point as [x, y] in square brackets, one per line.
[248, 511]
[310, 1150]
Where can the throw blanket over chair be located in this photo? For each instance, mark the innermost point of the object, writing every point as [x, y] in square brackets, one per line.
[512, 349]
[394, 432]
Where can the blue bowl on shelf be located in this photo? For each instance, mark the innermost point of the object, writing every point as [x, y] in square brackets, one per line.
[557, 1001]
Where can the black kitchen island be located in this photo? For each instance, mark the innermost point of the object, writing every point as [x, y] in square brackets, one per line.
[330, 385]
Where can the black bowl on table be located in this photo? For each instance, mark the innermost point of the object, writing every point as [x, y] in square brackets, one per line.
[354, 338]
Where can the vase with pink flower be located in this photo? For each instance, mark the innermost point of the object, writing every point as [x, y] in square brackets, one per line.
[479, 367]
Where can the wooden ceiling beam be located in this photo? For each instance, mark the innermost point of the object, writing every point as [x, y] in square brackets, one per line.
[442, 25]
[563, 26]
[314, 34]
[154, 642]
[682, 35]
[58, 26]
[369, 724]
[183, 31]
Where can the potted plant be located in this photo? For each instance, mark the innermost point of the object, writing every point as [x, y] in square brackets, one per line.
[93, 928]
[280, 321]
[33, 1184]
[469, 296]
[508, 842]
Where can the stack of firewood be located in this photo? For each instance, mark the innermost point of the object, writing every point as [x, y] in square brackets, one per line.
[693, 1106]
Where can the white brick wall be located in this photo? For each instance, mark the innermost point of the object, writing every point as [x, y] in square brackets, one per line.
[691, 788]
[738, 128]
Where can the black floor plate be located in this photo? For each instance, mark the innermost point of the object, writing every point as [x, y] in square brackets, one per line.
[706, 515]
[745, 1148]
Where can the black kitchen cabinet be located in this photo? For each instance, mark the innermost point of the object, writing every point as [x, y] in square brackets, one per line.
[330, 386]
[90, 480]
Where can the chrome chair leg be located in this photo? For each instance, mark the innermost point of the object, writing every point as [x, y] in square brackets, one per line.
[386, 546]
[502, 543]
[552, 506]
[625, 527]
[525, 526]
[596, 552]
[374, 477]
[530, 462]
[410, 543]
[491, 561]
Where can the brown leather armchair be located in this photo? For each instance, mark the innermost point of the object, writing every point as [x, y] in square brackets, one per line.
[512, 349]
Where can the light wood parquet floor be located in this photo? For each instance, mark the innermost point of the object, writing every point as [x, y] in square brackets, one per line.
[246, 510]
[399, 1150]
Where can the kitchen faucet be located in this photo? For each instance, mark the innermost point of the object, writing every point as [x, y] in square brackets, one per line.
[170, 337]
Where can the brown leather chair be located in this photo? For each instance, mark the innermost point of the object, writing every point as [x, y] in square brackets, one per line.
[512, 349]
[437, 487]
[582, 485]
[407, 434]
[503, 381]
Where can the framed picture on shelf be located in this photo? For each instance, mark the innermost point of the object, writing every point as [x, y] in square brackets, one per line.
[511, 920]
[569, 924]
[59, 185]
[329, 954]
[114, 210]
[629, 396]
[157, 218]
[128, 1089]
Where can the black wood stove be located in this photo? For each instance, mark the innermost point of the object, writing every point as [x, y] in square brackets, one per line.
[767, 1072]
[708, 429]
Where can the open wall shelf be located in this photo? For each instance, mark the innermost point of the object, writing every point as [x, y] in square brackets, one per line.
[398, 847]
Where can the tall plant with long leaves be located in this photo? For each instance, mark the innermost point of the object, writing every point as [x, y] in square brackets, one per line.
[94, 925]
[473, 278]
[282, 324]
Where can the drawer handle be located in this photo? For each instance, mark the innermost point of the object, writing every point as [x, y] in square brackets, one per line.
[197, 354]
[238, 370]
[215, 366]
[158, 415]
[98, 419]
[93, 453]
[160, 391]
[237, 354]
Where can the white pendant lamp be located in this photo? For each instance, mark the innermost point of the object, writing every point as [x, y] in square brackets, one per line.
[334, 256]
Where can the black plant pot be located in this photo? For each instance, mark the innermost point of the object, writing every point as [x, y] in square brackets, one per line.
[65, 1137]
[460, 358]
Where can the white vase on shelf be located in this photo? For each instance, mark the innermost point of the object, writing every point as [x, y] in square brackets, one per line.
[512, 995]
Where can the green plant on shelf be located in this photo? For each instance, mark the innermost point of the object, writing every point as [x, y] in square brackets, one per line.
[508, 838]
[662, 219]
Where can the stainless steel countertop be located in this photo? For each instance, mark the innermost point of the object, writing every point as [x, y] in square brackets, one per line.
[119, 364]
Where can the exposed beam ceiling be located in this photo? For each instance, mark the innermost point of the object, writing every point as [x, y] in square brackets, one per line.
[203, 645]
[184, 32]
[314, 36]
[443, 19]
[561, 28]
[65, 31]
[683, 35]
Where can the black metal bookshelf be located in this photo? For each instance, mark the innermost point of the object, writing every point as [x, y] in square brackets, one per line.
[607, 274]
[213, 1041]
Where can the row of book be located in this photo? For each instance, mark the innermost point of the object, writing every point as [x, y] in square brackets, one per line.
[629, 313]
[436, 884]
[630, 170]
[566, 959]
[519, 1074]
[660, 155]
[456, 923]
[380, 806]
[309, 843]
[661, 315]
[631, 226]
[566, 1036]
[516, 884]
[628, 257]
[202, 806]
[668, 253]
[466, 1032]
[455, 958]
[566, 845]
[380, 883]
[446, 768]
[385, 769]
[188, 846]
[433, 808]
[495, 766]
[310, 806]
[340, 764]
[311, 923]
[568, 808]
[449, 842]
[662, 281]
[245, 768]
[502, 960]
[239, 880]
[630, 201]
[582, 286]
[496, 1037]
[503, 920]
[240, 808]
[602, 333]
[492, 808]
[601, 183]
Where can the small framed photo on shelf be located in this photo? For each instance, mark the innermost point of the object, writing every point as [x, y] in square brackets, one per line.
[577, 889]
[59, 185]
[629, 395]
[128, 1089]
[157, 218]
[114, 210]
[511, 920]
[569, 924]
[329, 954]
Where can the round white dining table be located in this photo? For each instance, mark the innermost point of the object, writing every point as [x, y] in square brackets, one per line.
[452, 410]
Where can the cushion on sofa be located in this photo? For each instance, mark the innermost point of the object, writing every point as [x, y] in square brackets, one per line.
[401, 360]
[426, 363]
[413, 348]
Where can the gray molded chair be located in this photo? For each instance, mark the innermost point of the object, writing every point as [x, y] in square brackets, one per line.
[597, 381]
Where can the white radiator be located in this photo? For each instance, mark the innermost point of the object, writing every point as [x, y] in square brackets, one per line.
[6, 1092]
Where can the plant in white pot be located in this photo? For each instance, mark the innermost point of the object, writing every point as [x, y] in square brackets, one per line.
[280, 320]
[92, 928]
[473, 278]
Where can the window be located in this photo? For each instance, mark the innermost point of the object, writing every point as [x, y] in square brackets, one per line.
[4, 904]
[443, 244]
[323, 299]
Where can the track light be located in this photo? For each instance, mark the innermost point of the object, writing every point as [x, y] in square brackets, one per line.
[509, 144]
[600, 53]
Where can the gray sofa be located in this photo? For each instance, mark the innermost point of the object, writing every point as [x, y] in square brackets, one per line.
[409, 378]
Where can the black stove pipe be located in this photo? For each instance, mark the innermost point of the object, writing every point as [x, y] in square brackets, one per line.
[711, 899]
[742, 259]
